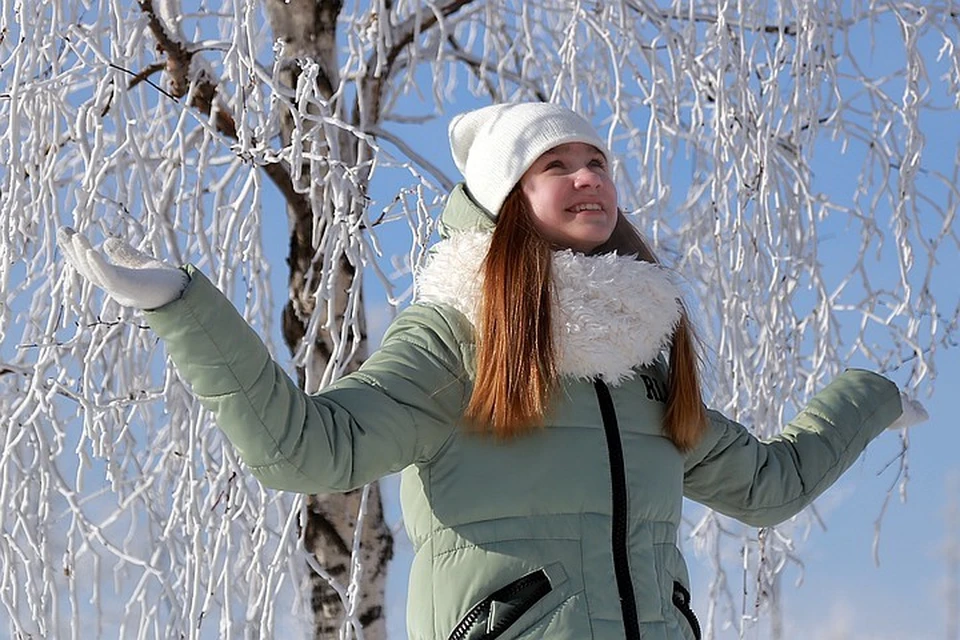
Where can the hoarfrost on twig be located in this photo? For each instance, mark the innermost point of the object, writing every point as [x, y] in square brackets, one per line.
[727, 120]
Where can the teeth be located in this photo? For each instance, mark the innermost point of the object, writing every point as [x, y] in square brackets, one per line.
[587, 207]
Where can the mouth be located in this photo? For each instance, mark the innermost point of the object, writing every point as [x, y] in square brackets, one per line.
[588, 207]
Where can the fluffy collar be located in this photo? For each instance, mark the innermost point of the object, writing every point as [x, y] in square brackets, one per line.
[613, 313]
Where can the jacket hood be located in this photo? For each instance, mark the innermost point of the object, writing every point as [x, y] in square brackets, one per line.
[612, 313]
[462, 213]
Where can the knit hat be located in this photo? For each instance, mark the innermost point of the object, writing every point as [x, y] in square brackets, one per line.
[494, 146]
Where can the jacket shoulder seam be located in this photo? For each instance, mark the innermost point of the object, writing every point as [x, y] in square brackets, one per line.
[442, 310]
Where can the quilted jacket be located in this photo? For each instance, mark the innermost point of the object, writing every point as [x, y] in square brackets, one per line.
[569, 533]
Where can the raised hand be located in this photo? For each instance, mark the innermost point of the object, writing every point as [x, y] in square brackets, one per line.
[132, 278]
[913, 413]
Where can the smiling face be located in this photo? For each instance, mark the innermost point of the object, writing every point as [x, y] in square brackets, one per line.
[572, 197]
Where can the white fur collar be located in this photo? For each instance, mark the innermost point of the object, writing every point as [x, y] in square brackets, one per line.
[613, 312]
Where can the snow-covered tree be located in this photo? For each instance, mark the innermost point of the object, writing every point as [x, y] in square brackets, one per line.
[184, 126]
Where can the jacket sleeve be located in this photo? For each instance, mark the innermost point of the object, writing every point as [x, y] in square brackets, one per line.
[762, 483]
[400, 407]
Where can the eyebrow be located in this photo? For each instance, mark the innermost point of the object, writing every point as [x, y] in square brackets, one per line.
[553, 152]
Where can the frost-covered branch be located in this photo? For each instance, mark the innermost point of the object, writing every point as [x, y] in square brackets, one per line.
[788, 160]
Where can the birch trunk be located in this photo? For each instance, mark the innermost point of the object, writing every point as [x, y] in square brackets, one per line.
[308, 29]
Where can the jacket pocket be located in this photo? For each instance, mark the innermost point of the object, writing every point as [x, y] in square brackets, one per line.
[681, 600]
[492, 616]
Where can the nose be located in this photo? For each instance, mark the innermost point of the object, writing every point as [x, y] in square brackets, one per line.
[585, 178]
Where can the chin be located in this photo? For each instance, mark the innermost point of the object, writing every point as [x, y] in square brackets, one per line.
[588, 246]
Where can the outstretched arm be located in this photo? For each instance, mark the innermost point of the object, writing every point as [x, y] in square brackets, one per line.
[400, 407]
[397, 409]
[763, 483]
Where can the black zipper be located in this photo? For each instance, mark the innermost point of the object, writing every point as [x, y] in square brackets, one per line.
[618, 482]
[681, 600]
[523, 593]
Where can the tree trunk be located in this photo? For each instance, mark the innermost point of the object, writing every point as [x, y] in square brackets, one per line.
[308, 30]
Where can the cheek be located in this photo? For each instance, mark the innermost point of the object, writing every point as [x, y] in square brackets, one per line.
[611, 190]
[545, 224]
[532, 195]
[542, 202]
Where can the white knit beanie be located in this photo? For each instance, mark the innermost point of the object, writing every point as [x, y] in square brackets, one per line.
[494, 146]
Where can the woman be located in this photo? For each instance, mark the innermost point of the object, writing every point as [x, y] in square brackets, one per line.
[540, 396]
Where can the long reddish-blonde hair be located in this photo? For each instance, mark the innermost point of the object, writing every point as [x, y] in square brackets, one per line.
[517, 369]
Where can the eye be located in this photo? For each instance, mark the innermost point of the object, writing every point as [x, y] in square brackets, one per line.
[553, 164]
[599, 163]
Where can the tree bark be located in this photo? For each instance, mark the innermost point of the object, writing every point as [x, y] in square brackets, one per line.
[307, 29]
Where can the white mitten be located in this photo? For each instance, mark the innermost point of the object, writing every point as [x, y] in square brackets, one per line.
[913, 413]
[134, 279]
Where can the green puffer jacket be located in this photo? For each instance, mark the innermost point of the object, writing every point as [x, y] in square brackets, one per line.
[569, 533]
